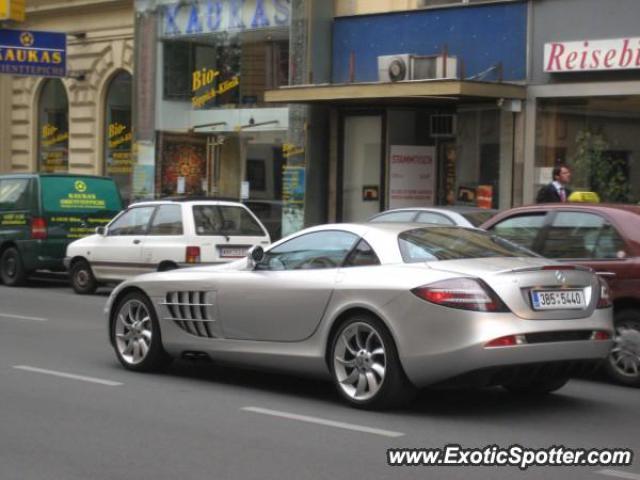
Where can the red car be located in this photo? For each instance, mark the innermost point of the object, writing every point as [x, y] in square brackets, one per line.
[605, 237]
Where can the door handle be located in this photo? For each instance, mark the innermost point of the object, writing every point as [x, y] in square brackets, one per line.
[136, 241]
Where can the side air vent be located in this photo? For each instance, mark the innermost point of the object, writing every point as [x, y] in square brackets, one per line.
[191, 311]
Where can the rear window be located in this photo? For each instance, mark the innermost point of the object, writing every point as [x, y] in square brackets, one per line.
[451, 243]
[14, 194]
[79, 194]
[225, 220]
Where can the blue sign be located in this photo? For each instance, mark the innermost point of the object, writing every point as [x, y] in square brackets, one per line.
[39, 54]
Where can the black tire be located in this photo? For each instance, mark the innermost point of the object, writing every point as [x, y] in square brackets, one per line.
[12, 269]
[122, 338]
[542, 386]
[618, 365]
[394, 389]
[82, 279]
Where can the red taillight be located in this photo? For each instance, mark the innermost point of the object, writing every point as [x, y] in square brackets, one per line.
[600, 335]
[508, 341]
[193, 254]
[604, 301]
[38, 228]
[463, 293]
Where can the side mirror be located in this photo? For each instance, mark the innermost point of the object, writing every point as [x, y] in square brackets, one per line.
[102, 231]
[254, 256]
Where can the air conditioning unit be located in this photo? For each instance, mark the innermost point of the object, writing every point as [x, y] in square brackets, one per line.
[405, 66]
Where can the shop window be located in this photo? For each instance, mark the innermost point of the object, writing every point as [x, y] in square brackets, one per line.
[117, 146]
[597, 137]
[53, 128]
[222, 70]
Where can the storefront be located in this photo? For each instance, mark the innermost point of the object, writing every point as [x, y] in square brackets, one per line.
[584, 97]
[426, 108]
[211, 132]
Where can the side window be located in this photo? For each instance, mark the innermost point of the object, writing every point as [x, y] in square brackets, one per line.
[404, 216]
[167, 221]
[609, 244]
[133, 222]
[430, 217]
[311, 251]
[573, 235]
[522, 229]
[14, 194]
[361, 256]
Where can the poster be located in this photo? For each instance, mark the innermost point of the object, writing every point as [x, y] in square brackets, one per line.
[182, 156]
[411, 176]
[293, 190]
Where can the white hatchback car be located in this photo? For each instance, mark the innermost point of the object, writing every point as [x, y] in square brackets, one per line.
[163, 235]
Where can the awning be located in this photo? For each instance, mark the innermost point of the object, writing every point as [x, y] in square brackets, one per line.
[411, 92]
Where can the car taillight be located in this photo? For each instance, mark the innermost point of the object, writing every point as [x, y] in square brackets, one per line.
[463, 293]
[507, 341]
[600, 335]
[604, 301]
[38, 228]
[193, 254]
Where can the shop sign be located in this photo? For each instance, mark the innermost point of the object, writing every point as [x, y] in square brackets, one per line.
[12, 10]
[293, 193]
[206, 86]
[592, 55]
[41, 54]
[218, 16]
[120, 160]
[411, 176]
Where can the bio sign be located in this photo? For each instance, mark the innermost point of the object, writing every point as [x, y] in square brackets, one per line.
[216, 16]
[33, 53]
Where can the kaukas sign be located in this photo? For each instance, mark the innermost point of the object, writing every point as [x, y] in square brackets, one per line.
[217, 16]
[41, 54]
[592, 55]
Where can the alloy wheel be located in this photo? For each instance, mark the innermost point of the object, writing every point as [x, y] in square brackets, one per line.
[360, 361]
[133, 331]
[625, 355]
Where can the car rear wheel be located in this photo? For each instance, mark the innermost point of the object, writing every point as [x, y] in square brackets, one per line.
[135, 335]
[623, 363]
[540, 386]
[365, 365]
[82, 279]
[11, 268]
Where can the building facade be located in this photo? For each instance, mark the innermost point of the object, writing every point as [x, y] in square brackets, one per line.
[79, 121]
[583, 98]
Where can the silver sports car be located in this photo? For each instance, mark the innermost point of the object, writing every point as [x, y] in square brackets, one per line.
[382, 309]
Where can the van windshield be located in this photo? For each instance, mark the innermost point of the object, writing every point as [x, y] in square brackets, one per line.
[79, 194]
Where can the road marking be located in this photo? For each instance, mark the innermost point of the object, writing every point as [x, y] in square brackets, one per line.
[619, 474]
[322, 421]
[67, 375]
[22, 317]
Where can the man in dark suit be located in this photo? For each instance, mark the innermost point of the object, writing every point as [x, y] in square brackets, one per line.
[556, 191]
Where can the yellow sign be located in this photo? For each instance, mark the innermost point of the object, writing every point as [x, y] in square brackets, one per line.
[584, 197]
[12, 10]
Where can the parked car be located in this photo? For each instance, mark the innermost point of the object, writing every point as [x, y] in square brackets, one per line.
[163, 235]
[603, 237]
[453, 215]
[40, 214]
[270, 214]
[380, 308]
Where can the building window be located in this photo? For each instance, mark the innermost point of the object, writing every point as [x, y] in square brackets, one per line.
[118, 161]
[53, 128]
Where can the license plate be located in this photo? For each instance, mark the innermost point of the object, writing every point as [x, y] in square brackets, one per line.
[558, 299]
[236, 252]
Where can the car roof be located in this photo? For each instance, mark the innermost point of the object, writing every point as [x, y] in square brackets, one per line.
[442, 208]
[191, 201]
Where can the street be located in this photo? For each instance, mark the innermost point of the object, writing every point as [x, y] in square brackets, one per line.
[70, 411]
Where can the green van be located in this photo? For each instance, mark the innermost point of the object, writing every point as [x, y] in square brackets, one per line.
[40, 214]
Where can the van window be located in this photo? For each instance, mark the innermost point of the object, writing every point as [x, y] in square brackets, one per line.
[14, 194]
[61, 194]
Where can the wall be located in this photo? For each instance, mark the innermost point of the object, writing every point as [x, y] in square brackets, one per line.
[108, 47]
[481, 36]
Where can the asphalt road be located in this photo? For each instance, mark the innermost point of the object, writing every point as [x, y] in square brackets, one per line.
[69, 411]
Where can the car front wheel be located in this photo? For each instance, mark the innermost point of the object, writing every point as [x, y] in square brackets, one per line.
[623, 363]
[82, 279]
[365, 365]
[135, 334]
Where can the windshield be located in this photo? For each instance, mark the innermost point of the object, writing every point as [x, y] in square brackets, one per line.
[453, 243]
